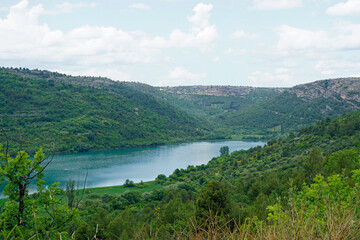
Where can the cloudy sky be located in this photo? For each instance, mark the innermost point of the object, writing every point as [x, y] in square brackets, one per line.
[185, 42]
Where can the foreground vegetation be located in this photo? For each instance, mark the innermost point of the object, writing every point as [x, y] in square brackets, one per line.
[302, 186]
[306, 185]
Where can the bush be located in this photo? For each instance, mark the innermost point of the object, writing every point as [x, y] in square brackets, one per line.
[129, 183]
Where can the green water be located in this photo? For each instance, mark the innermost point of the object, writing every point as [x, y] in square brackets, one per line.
[109, 168]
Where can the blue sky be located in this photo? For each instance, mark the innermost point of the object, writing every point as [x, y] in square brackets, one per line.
[263, 43]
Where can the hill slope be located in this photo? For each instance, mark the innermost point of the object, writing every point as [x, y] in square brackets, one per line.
[273, 111]
[79, 116]
[258, 183]
[170, 114]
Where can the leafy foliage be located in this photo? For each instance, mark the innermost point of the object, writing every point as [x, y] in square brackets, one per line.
[82, 118]
[26, 216]
[308, 180]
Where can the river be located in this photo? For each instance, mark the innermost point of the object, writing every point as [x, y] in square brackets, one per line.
[113, 167]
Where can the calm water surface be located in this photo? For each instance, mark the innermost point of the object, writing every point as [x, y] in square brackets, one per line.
[109, 168]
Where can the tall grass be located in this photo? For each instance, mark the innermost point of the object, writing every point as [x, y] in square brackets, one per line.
[294, 223]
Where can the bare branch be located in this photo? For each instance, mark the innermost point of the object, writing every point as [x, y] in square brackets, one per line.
[77, 188]
[82, 194]
[43, 168]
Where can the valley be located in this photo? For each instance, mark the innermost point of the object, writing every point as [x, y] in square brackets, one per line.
[179, 120]
[77, 114]
[310, 160]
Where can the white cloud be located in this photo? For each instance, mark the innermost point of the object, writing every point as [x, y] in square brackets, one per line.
[289, 63]
[215, 59]
[182, 76]
[347, 37]
[345, 8]
[280, 77]
[4, 9]
[335, 67]
[235, 52]
[202, 14]
[202, 34]
[111, 73]
[296, 38]
[67, 7]
[168, 59]
[182, 73]
[276, 4]
[27, 41]
[243, 34]
[140, 6]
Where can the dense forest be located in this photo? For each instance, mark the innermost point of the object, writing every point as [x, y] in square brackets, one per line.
[72, 118]
[305, 185]
[75, 114]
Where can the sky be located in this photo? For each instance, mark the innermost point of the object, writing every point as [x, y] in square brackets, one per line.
[260, 43]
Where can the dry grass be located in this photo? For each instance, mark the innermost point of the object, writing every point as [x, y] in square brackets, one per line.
[338, 224]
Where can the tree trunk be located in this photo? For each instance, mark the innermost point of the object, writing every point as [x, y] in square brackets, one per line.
[22, 188]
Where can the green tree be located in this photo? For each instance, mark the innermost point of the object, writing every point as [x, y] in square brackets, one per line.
[129, 183]
[70, 193]
[224, 151]
[123, 226]
[38, 215]
[345, 160]
[313, 163]
[214, 200]
[160, 179]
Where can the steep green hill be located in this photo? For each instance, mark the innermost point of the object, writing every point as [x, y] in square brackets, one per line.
[100, 114]
[146, 115]
[300, 106]
[270, 112]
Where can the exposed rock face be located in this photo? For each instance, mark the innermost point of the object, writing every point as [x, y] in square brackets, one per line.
[345, 90]
[341, 89]
[215, 90]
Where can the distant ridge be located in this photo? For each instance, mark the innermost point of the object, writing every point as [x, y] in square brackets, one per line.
[273, 111]
[146, 115]
[347, 89]
[215, 90]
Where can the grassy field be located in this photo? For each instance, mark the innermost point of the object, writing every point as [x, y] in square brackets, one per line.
[114, 190]
[97, 192]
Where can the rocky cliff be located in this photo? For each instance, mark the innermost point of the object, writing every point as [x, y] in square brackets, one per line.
[341, 89]
[216, 90]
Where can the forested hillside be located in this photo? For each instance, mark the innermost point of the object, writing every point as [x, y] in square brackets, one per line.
[90, 113]
[242, 185]
[306, 185]
[269, 112]
[68, 117]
